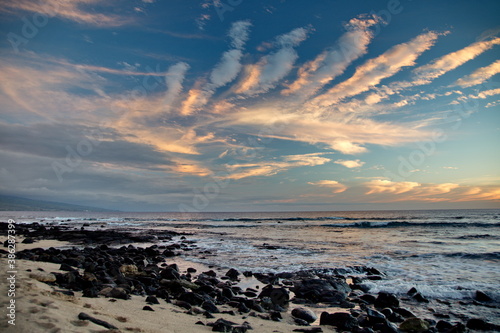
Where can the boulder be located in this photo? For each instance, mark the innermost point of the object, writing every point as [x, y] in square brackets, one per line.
[341, 320]
[304, 314]
[414, 325]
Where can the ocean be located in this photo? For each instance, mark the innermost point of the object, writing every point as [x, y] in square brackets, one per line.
[443, 253]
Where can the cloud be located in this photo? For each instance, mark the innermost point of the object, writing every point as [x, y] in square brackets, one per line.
[69, 10]
[344, 135]
[426, 73]
[269, 168]
[387, 186]
[350, 163]
[480, 75]
[265, 75]
[223, 73]
[174, 79]
[332, 62]
[486, 93]
[334, 185]
[373, 71]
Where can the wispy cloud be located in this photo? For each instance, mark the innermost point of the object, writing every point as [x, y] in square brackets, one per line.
[264, 75]
[334, 185]
[223, 73]
[480, 75]
[316, 73]
[426, 73]
[350, 163]
[269, 168]
[70, 10]
[375, 70]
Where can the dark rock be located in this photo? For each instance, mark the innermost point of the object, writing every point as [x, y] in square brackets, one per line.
[386, 300]
[375, 316]
[412, 291]
[147, 308]
[482, 325]
[28, 240]
[209, 306]
[183, 304]
[232, 274]
[341, 320]
[84, 316]
[170, 273]
[404, 312]
[300, 322]
[443, 326]
[199, 322]
[304, 314]
[91, 292]
[222, 325]
[191, 270]
[482, 297]
[457, 328]
[415, 325]
[370, 299]
[386, 327]
[191, 298]
[278, 296]
[309, 330]
[419, 298]
[66, 267]
[152, 300]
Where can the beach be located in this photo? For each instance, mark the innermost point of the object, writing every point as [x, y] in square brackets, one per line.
[189, 296]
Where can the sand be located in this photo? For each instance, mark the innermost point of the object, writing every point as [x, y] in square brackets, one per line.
[41, 307]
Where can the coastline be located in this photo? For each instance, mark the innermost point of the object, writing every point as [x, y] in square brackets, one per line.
[44, 307]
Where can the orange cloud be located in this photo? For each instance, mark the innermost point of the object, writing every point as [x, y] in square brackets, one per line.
[334, 185]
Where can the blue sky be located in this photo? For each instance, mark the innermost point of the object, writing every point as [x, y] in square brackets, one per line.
[251, 105]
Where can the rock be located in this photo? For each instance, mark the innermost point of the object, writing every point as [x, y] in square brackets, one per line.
[300, 322]
[481, 324]
[66, 267]
[91, 292]
[482, 297]
[370, 299]
[278, 296]
[222, 325]
[412, 291]
[28, 240]
[129, 269]
[415, 325]
[386, 300]
[304, 314]
[147, 308]
[117, 292]
[341, 320]
[404, 312]
[84, 316]
[191, 270]
[320, 290]
[232, 274]
[152, 300]
[309, 330]
[375, 316]
[170, 273]
[191, 298]
[210, 306]
[183, 304]
[443, 326]
[457, 328]
[43, 277]
[419, 298]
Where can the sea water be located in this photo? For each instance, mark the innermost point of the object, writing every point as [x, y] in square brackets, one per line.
[443, 253]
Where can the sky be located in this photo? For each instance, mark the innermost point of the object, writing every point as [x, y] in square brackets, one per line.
[239, 105]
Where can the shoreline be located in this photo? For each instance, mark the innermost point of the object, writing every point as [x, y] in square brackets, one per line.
[241, 305]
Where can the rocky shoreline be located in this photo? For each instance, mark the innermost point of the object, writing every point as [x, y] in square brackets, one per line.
[104, 263]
